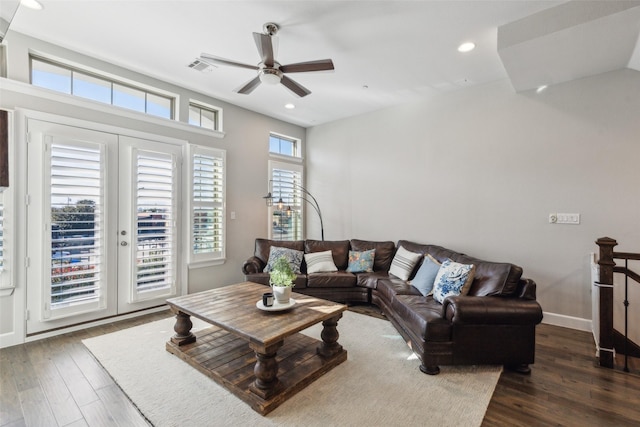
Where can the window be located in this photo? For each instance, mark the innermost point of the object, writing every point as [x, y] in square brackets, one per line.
[204, 116]
[207, 204]
[66, 79]
[287, 211]
[283, 145]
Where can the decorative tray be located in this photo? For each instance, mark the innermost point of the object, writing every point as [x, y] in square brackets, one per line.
[276, 306]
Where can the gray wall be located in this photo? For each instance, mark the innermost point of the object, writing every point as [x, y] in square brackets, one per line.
[480, 169]
[246, 141]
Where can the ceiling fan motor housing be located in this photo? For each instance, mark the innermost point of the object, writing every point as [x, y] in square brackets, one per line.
[270, 75]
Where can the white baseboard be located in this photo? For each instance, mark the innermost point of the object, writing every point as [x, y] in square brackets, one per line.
[567, 321]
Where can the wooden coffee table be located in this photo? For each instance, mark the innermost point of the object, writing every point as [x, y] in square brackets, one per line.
[259, 356]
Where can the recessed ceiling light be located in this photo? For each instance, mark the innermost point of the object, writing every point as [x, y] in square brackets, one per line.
[466, 47]
[289, 106]
[31, 4]
[541, 88]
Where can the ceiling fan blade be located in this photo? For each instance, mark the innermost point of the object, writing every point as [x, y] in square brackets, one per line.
[264, 43]
[249, 86]
[294, 87]
[214, 60]
[301, 67]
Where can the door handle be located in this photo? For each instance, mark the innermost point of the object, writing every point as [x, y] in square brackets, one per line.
[123, 243]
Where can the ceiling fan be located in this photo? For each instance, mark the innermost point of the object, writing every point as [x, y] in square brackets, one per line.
[269, 70]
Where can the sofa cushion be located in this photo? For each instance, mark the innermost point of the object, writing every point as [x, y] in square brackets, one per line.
[422, 316]
[426, 275]
[370, 280]
[293, 257]
[384, 252]
[319, 262]
[403, 263]
[263, 278]
[263, 247]
[339, 250]
[388, 288]
[361, 262]
[453, 278]
[338, 279]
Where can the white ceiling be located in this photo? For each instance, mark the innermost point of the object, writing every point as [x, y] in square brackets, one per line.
[400, 50]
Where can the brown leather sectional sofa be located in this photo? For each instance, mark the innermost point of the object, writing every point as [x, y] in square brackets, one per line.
[493, 324]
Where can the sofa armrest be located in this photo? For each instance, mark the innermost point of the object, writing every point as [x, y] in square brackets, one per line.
[527, 289]
[253, 265]
[491, 310]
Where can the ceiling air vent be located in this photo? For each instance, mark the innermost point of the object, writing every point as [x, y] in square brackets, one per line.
[200, 66]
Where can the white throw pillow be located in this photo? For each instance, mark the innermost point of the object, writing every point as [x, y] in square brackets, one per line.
[403, 263]
[320, 262]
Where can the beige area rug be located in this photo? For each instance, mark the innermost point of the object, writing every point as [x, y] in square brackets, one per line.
[379, 384]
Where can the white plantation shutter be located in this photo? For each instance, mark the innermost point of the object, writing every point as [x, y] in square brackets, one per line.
[1, 236]
[286, 217]
[76, 224]
[154, 234]
[207, 204]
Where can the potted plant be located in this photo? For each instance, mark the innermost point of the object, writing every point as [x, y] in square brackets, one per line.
[281, 279]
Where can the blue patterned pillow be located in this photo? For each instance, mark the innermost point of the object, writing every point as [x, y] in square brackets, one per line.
[360, 262]
[452, 279]
[294, 258]
[426, 275]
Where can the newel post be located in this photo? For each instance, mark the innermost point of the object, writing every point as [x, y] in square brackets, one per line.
[606, 263]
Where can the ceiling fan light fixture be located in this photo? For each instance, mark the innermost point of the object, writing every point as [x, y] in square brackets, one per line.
[270, 76]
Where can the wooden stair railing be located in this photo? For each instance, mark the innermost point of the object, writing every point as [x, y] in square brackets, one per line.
[608, 267]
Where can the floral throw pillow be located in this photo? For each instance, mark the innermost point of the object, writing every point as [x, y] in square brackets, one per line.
[360, 262]
[453, 278]
[294, 258]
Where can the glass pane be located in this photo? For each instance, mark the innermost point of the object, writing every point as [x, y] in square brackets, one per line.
[50, 76]
[156, 212]
[286, 217]
[127, 97]
[208, 200]
[286, 147]
[76, 224]
[158, 106]
[1, 236]
[274, 144]
[91, 87]
[194, 115]
[208, 119]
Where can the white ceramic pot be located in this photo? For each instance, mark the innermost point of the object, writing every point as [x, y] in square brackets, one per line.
[282, 294]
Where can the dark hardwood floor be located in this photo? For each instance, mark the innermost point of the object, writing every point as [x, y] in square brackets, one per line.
[57, 382]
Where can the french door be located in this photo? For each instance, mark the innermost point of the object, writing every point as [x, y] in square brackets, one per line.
[103, 224]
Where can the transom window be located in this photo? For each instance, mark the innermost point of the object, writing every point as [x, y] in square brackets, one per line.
[283, 145]
[73, 81]
[204, 117]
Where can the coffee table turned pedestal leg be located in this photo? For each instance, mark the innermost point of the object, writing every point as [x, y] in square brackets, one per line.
[266, 383]
[183, 327]
[329, 346]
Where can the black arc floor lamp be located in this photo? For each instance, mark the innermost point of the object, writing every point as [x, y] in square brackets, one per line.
[306, 196]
